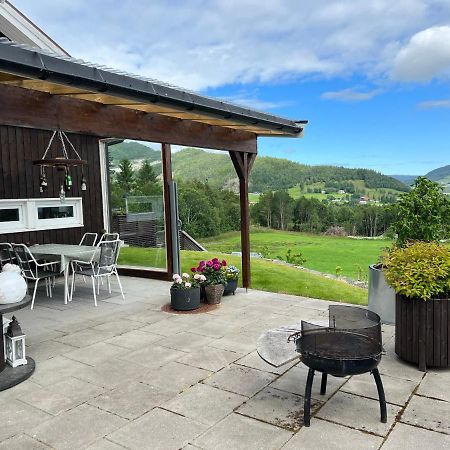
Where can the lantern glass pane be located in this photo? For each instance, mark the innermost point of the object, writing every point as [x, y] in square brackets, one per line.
[9, 349]
[19, 349]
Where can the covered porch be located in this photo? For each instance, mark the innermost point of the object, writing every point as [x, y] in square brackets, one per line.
[41, 91]
[129, 375]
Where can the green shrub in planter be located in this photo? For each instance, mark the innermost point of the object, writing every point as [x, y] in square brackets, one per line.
[418, 270]
[420, 276]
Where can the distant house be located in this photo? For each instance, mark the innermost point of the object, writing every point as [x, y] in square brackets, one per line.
[341, 191]
[363, 200]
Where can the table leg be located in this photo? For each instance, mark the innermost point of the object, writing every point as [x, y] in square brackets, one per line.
[2, 347]
[66, 283]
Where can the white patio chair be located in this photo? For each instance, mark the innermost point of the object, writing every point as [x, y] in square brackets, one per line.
[105, 267]
[89, 239]
[6, 254]
[33, 270]
[109, 237]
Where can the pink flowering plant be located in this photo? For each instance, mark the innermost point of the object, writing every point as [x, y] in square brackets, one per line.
[213, 270]
[185, 282]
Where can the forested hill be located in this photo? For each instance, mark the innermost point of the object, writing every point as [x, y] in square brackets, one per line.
[441, 175]
[268, 173]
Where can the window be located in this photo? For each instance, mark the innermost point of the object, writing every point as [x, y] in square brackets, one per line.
[55, 212]
[40, 214]
[9, 215]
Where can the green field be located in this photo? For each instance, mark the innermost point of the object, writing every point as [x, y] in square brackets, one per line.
[322, 253]
[266, 275]
[295, 192]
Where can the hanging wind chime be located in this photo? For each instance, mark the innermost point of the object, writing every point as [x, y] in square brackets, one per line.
[61, 163]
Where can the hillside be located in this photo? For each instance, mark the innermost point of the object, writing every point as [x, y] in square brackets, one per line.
[132, 151]
[406, 179]
[441, 175]
[268, 173]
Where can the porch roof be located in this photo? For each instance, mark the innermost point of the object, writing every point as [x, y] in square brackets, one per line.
[43, 71]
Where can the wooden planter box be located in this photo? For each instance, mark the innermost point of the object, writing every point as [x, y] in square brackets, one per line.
[422, 331]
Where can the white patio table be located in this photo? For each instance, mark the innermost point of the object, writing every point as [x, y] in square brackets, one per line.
[65, 253]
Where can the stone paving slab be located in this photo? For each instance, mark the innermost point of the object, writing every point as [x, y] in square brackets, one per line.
[276, 407]
[323, 435]
[96, 354]
[358, 412]
[254, 360]
[77, 428]
[153, 356]
[204, 403]
[85, 337]
[242, 433]
[209, 358]
[414, 438]
[48, 349]
[436, 385]
[174, 376]
[240, 380]
[397, 390]
[158, 430]
[105, 444]
[185, 341]
[22, 442]
[428, 413]
[294, 380]
[131, 400]
[110, 374]
[135, 339]
[16, 417]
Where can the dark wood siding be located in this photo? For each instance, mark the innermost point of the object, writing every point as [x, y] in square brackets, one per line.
[20, 179]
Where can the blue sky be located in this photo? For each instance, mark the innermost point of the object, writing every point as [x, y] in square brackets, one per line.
[372, 77]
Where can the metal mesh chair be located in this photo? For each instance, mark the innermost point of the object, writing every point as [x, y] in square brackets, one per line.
[88, 239]
[109, 237]
[33, 270]
[103, 267]
[6, 254]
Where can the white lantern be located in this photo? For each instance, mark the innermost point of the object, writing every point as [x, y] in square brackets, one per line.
[15, 345]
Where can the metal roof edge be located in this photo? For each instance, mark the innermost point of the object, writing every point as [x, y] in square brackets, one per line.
[33, 63]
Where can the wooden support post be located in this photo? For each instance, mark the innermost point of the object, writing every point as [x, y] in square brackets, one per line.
[166, 158]
[243, 163]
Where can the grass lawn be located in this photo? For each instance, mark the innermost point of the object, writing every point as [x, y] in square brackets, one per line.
[322, 253]
[266, 276]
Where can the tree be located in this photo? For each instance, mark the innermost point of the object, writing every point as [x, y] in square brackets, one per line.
[282, 209]
[146, 174]
[423, 213]
[125, 176]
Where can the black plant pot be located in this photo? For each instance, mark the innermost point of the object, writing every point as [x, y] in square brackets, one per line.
[185, 300]
[230, 287]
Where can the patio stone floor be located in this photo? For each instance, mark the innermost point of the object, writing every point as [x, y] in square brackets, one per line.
[126, 375]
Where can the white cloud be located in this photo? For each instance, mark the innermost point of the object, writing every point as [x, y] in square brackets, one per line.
[203, 44]
[351, 95]
[425, 56]
[430, 104]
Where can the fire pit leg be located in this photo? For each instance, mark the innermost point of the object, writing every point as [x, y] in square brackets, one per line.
[376, 375]
[307, 404]
[323, 384]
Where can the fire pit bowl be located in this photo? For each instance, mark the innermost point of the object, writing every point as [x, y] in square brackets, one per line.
[350, 345]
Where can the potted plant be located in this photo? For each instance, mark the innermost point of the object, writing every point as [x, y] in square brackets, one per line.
[214, 272]
[185, 292]
[423, 214]
[232, 276]
[419, 273]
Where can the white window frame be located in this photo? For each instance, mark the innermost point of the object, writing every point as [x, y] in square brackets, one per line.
[28, 214]
[5, 227]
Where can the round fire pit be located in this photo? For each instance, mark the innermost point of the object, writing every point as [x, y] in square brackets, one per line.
[350, 345]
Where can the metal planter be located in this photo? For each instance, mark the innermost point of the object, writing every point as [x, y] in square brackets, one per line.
[381, 295]
[185, 300]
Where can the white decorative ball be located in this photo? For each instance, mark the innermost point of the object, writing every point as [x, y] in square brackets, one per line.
[11, 268]
[13, 287]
